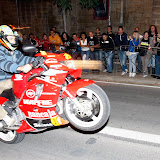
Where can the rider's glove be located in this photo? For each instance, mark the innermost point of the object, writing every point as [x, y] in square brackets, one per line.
[25, 69]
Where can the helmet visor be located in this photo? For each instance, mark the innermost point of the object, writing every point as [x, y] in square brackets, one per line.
[13, 40]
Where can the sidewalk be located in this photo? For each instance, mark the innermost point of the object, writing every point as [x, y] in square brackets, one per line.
[116, 77]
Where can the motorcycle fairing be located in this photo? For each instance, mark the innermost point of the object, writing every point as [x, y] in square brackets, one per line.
[71, 89]
[2, 100]
[25, 127]
[30, 125]
[39, 124]
[40, 103]
[20, 81]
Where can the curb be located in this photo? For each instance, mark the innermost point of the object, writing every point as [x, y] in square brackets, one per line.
[111, 77]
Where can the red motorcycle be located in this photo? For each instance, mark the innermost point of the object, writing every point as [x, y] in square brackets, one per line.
[52, 94]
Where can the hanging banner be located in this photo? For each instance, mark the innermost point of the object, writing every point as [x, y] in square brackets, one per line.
[101, 12]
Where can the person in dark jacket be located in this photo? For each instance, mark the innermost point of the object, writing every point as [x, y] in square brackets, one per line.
[153, 34]
[11, 61]
[110, 33]
[107, 46]
[121, 41]
[157, 58]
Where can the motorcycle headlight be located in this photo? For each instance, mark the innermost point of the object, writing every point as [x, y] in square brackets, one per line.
[69, 64]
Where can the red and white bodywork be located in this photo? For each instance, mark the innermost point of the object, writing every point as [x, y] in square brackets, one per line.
[38, 96]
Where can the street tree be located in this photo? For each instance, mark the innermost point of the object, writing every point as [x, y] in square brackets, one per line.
[65, 5]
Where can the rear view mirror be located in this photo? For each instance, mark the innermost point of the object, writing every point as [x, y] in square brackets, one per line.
[29, 48]
[62, 48]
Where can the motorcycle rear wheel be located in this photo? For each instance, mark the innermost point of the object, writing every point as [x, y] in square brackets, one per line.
[11, 137]
[96, 109]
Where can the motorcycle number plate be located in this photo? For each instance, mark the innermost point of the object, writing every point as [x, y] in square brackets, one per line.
[57, 121]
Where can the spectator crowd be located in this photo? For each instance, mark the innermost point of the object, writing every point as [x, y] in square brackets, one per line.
[141, 51]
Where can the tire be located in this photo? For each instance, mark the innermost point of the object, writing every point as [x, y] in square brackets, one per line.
[96, 107]
[11, 137]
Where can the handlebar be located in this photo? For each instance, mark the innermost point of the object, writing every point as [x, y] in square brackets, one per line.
[39, 62]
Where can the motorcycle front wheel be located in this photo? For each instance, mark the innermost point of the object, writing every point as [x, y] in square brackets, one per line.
[11, 137]
[95, 109]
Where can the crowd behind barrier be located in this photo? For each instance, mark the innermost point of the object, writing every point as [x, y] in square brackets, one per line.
[130, 54]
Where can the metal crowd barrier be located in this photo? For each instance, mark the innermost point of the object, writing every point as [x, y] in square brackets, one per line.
[116, 61]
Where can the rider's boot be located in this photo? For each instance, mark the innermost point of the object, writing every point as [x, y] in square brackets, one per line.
[9, 120]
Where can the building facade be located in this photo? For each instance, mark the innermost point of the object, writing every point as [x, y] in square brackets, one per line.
[41, 15]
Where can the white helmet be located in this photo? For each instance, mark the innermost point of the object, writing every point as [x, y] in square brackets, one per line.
[5, 31]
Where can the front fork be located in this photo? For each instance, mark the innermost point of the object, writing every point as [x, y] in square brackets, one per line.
[70, 91]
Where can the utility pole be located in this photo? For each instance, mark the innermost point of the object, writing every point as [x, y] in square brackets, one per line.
[18, 18]
[109, 17]
[122, 12]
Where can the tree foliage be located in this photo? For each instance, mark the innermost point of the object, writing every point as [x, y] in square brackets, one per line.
[67, 4]
[63, 4]
[89, 3]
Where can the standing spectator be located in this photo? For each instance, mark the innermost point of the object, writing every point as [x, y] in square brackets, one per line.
[93, 45]
[138, 55]
[75, 46]
[120, 40]
[98, 34]
[140, 36]
[134, 41]
[145, 53]
[153, 33]
[55, 40]
[84, 46]
[157, 59]
[107, 45]
[46, 45]
[110, 33]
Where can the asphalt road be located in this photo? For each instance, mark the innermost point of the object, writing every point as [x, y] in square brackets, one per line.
[132, 108]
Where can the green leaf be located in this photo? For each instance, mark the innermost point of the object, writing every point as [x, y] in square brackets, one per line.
[89, 3]
[63, 4]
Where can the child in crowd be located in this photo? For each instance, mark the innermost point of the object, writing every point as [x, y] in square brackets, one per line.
[46, 43]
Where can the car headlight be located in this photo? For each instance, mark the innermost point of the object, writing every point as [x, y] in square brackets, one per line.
[69, 64]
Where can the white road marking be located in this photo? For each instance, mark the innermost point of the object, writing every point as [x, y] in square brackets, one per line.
[128, 84]
[131, 135]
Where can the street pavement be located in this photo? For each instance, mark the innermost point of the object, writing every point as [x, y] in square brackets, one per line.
[147, 107]
[132, 112]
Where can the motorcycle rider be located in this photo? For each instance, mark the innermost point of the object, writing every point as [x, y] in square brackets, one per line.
[11, 61]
